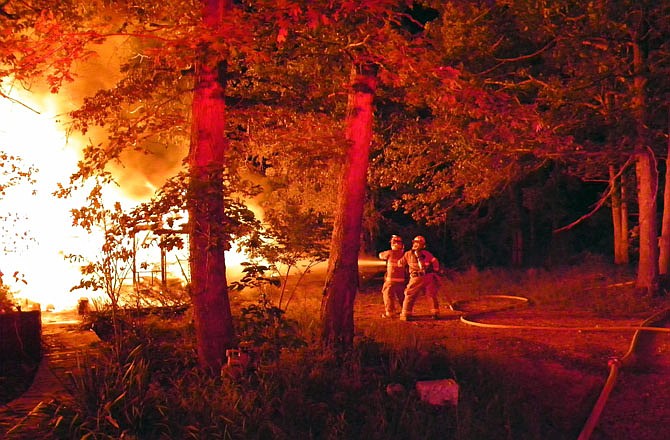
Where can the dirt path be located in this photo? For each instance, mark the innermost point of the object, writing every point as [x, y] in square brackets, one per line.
[64, 344]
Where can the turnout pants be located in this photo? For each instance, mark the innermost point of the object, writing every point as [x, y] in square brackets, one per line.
[418, 284]
[393, 296]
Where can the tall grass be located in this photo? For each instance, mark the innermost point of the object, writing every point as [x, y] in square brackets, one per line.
[306, 393]
[593, 285]
[296, 389]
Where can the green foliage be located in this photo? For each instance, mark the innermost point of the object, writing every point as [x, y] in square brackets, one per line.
[300, 240]
[33, 29]
[302, 394]
[254, 276]
[306, 392]
[113, 400]
[296, 235]
[107, 270]
[516, 84]
[164, 213]
[293, 238]
[471, 147]
[273, 137]
[264, 328]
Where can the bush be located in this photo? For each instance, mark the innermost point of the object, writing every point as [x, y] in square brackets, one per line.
[306, 393]
[265, 330]
[152, 388]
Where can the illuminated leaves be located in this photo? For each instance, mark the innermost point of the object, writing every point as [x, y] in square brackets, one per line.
[475, 143]
[528, 85]
[13, 172]
[45, 41]
[112, 264]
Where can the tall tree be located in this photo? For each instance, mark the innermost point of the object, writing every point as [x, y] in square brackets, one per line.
[664, 251]
[645, 161]
[342, 277]
[171, 83]
[371, 34]
[475, 135]
[647, 187]
[619, 215]
[564, 70]
[206, 160]
[617, 79]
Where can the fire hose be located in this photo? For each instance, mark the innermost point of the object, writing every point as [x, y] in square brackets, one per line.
[614, 364]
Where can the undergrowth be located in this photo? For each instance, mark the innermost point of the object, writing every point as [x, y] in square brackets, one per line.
[306, 394]
[294, 388]
[593, 285]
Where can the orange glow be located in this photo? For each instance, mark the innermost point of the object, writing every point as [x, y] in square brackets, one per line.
[40, 143]
[31, 130]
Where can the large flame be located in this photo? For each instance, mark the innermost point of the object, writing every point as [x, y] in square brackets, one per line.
[31, 130]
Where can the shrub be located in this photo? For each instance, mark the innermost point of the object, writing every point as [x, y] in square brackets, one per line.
[301, 391]
[263, 328]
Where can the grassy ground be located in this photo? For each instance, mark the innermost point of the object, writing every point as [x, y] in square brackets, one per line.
[149, 386]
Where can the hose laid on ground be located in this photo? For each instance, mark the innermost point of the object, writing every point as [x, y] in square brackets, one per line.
[613, 364]
[465, 318]
[597, 410]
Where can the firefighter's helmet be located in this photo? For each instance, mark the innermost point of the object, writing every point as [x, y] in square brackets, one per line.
[419, 241]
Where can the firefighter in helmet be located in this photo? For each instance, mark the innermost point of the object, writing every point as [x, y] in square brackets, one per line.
[395, 278]
[423, 268]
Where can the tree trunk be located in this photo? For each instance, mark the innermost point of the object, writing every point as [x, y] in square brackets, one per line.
[517, 247]
[515, 225]
[209, 291]
[623, 240]
[647, 271]
[342, 277]
[617, 220]
[647, 175]
[664, 252]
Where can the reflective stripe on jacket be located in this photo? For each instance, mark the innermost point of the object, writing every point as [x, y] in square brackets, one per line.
[419, 262]
[393, 271]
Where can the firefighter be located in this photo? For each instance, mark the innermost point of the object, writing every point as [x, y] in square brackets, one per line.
[423, 269]
[395, 278]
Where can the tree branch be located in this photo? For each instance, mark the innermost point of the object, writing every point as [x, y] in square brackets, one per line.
[16, 101]
[601, 202]
[502, 61]
[530, 55]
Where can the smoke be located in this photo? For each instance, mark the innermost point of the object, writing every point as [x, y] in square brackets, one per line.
[138, 173]
[34, 128]
[141, 174]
